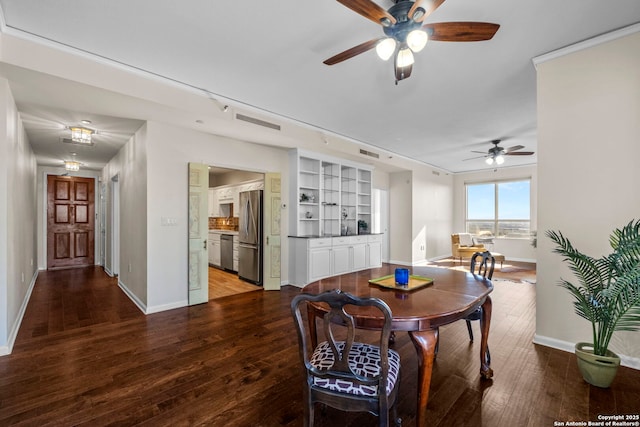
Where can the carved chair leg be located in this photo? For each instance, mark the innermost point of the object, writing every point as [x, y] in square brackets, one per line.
[470, 330]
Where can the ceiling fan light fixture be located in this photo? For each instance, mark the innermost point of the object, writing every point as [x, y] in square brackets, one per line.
[417, 40]
[489, 160]
[499, 159]
[385, 48]
[81, 135]
[404, 58]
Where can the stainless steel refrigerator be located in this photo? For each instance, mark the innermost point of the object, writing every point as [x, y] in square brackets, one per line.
[250, 236]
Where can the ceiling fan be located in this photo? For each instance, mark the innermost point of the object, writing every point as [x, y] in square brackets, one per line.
[405, 34]
[496, 153]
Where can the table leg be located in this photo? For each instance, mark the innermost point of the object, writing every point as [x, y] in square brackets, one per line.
[485, 322]
[425, 344]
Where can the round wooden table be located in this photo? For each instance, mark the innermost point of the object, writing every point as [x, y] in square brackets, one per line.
[452, 296]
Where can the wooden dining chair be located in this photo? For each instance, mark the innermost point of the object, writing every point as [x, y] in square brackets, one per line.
[339, 371]
[483, 264]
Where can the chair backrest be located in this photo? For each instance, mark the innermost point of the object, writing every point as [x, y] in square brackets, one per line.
[337, 323]
[484, 262]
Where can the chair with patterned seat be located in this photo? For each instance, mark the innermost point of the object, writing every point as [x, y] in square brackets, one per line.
[341, 372]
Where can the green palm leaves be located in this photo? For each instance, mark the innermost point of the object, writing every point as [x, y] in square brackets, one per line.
[607, 292]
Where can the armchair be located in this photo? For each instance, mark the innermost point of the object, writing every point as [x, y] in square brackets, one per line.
[462, 246]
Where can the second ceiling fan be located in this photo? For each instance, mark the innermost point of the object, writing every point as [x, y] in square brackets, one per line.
[405, 34]
[496, 154]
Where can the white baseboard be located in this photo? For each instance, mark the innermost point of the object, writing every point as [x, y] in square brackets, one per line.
[165, 307]
[11, 339]
[393, 261]
[628, 361]
[132, 297]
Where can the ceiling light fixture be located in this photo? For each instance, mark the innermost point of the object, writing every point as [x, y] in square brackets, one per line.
[405, 58]
[70, 165]
[498, 159]
[417, 40]
[385, 48]
[81, 135]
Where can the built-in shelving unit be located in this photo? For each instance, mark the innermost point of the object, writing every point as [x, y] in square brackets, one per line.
[329, 195]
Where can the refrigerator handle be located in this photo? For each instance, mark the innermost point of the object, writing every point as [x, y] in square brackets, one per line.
[246, 215]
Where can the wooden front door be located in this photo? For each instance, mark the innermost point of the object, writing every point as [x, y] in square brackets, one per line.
[70, 221]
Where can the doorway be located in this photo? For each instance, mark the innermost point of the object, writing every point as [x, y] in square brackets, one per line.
[115, 227]
[225, 184]
[70, 221]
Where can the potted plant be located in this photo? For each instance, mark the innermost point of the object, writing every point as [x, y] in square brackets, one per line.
[607, 293]
[362, 226]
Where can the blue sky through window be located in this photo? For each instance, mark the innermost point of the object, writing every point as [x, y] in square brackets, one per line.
[513, 200]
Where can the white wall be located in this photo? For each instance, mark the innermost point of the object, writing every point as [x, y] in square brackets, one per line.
[512, 249]
[17, 219]
[130, 165]
[588, 141]
[400, 222]
[432, 209]
[169, 150]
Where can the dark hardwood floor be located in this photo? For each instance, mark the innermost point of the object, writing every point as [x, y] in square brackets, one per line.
[86, 356]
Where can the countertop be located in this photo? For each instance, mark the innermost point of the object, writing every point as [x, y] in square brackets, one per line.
[312, 236]
[218, 231]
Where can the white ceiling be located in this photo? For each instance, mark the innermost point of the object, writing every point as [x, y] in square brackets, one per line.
[268, 56]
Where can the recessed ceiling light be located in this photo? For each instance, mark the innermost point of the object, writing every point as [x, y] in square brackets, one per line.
[86, 122]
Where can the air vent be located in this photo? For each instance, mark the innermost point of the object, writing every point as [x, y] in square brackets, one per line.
[436, 173]
[71, 141]
[370, 154]
[257, 121]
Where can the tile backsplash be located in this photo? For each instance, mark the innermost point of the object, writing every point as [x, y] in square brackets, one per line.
[223, 223]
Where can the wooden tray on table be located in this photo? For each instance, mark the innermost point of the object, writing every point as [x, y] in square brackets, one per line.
[415, 282]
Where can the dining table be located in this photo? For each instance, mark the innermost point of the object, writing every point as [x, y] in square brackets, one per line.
[444, 296]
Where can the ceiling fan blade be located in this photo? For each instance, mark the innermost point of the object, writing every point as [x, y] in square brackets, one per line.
[520, 153]
[515, 148]
[368, 9]
[479, 152]
[429, 8]
[461, 31]
[350, 53]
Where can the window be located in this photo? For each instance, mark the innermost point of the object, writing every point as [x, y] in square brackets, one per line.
[501, 209]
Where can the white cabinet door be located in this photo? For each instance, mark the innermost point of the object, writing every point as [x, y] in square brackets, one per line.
[213, 202]
[214, 250]
[319, 263]
[375, 254]
[359, 257]
[340, 255]
[235, 252]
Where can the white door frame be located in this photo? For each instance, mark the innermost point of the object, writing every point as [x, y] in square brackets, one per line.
[115, 226]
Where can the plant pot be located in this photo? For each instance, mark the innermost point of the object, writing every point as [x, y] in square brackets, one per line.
[596, 370]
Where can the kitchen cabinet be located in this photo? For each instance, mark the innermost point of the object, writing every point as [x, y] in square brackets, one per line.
[214, 249]
[236, 245]
[329, 196]
[222, 198]
[213, 202]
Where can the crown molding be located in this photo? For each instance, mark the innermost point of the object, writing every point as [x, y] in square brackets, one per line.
[586, 44]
